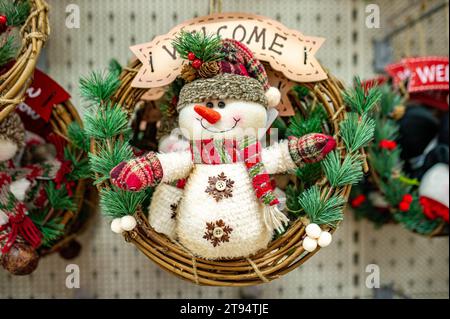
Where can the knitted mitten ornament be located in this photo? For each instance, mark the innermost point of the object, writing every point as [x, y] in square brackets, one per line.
[229, 208]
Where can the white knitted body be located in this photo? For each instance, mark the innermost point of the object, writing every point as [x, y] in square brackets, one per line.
[242, 212]
[162, 210]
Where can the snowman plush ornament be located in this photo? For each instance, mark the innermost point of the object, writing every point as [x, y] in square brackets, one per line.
[229, 208]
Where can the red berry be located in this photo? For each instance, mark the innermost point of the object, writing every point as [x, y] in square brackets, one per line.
[407, 198]
[191, 56]
[3, 23]
[358, 200]
[404, 206]
[197, 63]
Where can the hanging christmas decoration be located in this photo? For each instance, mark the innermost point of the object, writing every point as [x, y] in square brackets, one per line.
[229, 211]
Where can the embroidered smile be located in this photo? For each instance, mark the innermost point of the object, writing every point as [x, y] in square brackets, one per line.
[210, 129]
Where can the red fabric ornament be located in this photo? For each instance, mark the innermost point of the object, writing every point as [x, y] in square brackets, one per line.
[3, 23]
[388, 145]
[358, 201]
[197, 64]
[191, 56]
[433, 209]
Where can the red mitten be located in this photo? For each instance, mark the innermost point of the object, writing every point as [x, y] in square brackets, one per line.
[310, 148]
[137, 174]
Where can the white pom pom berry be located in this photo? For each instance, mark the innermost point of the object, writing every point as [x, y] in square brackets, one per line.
[313, 230]
[309, 244]
[273, 96]
[325, 239]
[128, 223]
[116, 226]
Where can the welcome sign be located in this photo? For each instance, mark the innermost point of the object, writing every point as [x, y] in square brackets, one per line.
[287, 51]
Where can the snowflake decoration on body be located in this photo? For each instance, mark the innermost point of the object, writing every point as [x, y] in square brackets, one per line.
[217, 232]
[220, 187]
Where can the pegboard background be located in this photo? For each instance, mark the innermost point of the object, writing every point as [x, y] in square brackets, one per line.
[414, 266]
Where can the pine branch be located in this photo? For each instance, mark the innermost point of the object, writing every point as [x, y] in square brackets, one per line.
[309, 173]
[386, 129]
[17, 12]
[205, 47]
[356, 132]
[300, 126]
[98, 87]
[114, 67]
[78, 137]
[8, 51]
[58, 198]
[389, 100]
[108, 123]
[322, 212]
[345, 173]
[361, 101]
[51, 230]
[384, 162]
[292, 195]
[107, 159]
[118, 203]
[80, 168]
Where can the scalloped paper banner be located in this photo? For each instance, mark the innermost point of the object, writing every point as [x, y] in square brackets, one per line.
[288, 51]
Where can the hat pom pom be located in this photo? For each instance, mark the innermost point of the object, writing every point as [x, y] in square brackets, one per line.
[273, 96]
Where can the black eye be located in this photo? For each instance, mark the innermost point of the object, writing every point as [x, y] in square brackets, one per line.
[210, 105]
[221, 104]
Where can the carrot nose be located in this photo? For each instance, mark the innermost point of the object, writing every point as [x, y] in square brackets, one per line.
[208, 114]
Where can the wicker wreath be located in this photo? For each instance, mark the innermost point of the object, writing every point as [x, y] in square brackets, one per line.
[85, 196]
[68, 219]
[283, 255]
[15, 81]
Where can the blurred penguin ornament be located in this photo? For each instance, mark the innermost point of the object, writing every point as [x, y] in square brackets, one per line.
[229, 208]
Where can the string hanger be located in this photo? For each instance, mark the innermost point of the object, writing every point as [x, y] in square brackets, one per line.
[215, 6]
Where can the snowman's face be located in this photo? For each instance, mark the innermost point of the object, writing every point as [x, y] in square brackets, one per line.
[222, 119]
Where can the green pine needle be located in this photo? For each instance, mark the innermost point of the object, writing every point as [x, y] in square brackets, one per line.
[292, 195]
[114, 67]
[386, 129]
[309, 173]
[98, 87]
[8, 51]
[356, 132]
[51, 230]
[16, 12]
[300, 126]
[205, 47]
[80, 167]
[301, 91]
[107, 123]
[117, 203]
[106, 159]
[78, 137]
[322, 212]
[389, 100]
[58, 198]
[347, 172]
[384, 162]
[360, 101]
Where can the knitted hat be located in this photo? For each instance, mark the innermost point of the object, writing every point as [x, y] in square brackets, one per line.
[12, 129]
[222, 69]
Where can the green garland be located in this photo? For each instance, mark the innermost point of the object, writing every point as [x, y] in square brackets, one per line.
[388, 178]
[303, 196]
